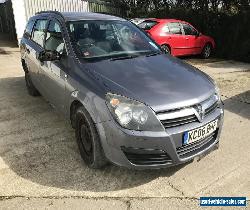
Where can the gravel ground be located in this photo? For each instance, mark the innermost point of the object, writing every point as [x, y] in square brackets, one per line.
[40, 166]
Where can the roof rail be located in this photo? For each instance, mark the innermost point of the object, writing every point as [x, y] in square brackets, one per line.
[51, 11]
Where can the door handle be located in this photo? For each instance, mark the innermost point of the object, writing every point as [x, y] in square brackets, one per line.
[187, 38]
[66, 76]
[27, 50]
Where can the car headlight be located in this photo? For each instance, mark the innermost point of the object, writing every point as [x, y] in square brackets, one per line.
[217, 92]
[131, 114]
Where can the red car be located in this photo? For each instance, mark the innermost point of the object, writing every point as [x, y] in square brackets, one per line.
[178, 37]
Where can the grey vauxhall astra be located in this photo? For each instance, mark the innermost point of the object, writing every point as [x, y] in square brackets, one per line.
[129, 103]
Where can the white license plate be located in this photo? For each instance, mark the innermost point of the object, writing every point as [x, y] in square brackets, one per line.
[199, 133]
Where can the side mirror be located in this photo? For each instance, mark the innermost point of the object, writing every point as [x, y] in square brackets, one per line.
[48, 55]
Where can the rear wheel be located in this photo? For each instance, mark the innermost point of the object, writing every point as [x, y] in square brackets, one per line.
[207, 51]
[88, 140]
[166, 49]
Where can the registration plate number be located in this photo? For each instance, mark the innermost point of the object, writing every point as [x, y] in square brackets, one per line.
[200, 133]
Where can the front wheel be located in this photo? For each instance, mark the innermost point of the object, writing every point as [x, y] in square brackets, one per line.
[88, 140]
[207, 51]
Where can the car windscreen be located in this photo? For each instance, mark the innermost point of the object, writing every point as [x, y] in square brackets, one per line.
[105, 39]
[148, 24]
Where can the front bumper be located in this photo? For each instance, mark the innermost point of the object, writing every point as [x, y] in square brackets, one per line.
[153, 150]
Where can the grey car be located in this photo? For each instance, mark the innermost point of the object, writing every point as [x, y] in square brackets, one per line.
[129, 103]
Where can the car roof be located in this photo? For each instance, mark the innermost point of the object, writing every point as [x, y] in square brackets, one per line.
[75, 16]
[165, 20]
[89, 16]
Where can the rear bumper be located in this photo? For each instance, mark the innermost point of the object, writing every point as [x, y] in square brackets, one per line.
[153, 150]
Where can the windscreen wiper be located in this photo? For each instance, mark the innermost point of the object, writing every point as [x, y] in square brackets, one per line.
[124, 57]
[154, 54]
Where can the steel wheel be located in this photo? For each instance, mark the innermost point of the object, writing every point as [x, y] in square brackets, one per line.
[88, 140]
[28, 80]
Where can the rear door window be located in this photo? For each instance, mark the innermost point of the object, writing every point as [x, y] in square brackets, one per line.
[39, 30]
[174, 28]
[29, 27]
[165, 29]
[148, 24]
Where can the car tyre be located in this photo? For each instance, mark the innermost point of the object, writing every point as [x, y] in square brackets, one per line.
[166, 49]
[207, 51]
[30, 86]
[88, 140]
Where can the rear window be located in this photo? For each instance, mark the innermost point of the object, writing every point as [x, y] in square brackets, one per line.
[148, 24]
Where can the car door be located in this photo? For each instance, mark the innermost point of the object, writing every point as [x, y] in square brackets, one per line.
[174, 37]
[192, 38]
[54, 73]
[33, 48]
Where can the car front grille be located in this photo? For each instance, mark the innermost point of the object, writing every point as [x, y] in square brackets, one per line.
[179, 117]
[188, 150]
[211, 109]
[179, 121]
[146, 157]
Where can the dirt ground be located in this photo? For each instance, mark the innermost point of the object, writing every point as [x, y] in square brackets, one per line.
[40, 166]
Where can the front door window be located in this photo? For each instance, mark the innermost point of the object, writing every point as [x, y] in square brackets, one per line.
[54, 39]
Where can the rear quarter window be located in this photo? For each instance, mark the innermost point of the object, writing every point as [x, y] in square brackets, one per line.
[147, 25]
